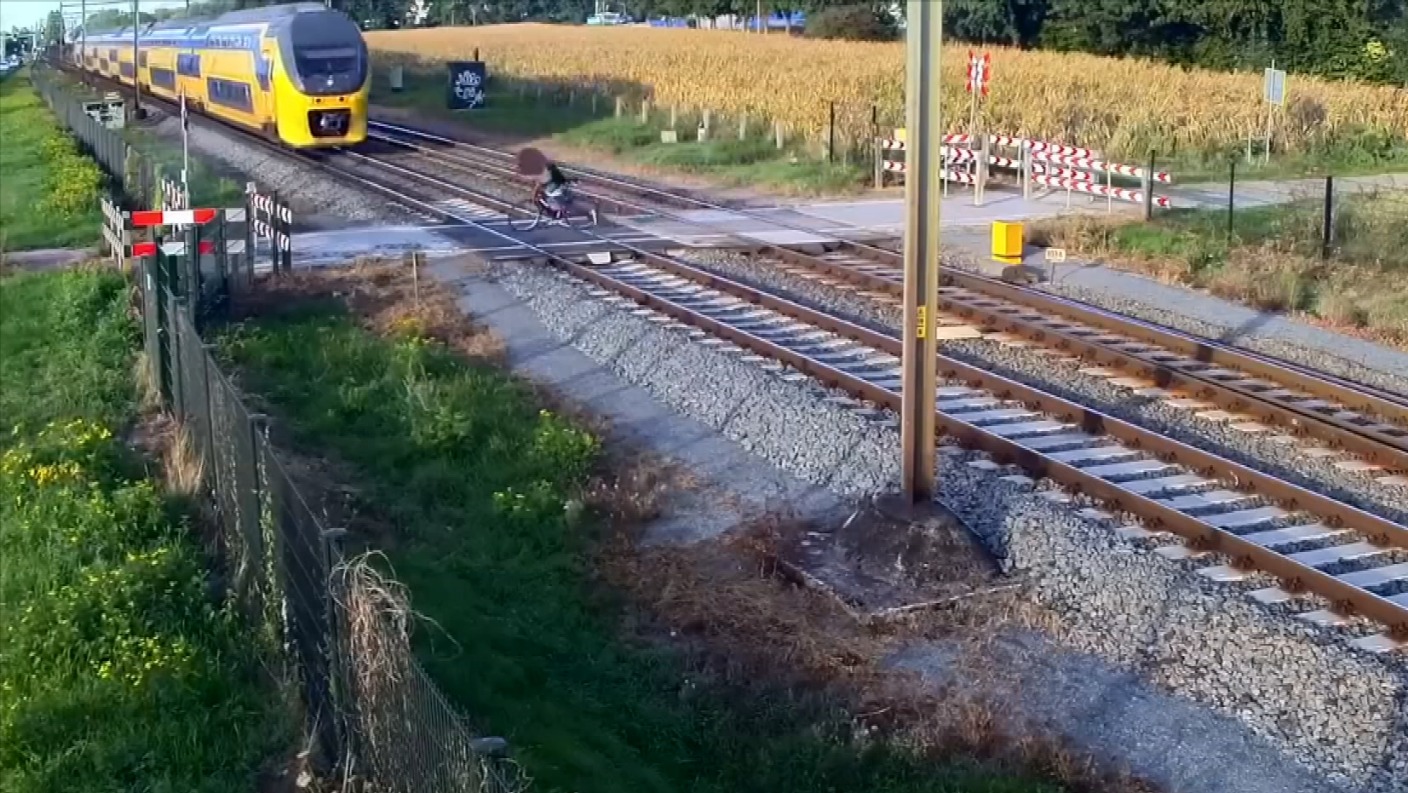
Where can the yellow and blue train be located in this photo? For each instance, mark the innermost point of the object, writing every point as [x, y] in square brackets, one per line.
[297, 73]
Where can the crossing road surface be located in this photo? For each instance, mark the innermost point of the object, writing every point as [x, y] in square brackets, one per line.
[796, 224]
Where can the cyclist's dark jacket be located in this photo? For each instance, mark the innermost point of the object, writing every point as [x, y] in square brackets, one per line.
[554, 177]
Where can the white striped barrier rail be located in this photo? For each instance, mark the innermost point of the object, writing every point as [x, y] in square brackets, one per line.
[1062, 173]
[264, 231]
[1004, 141]
[1104, 191]
[1133, 171]
[115, 233]
[173, 196]
[946, 174]
[267, 205]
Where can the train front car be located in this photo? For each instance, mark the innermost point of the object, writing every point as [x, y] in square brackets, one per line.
[325, 76]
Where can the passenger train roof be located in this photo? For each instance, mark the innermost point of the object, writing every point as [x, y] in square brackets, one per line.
[198, 25]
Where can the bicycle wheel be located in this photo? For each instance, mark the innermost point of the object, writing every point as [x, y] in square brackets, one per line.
[583, 215]
[525, 216]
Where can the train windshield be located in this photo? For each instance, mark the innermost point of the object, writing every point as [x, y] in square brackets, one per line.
[325, 68]
[328, 54]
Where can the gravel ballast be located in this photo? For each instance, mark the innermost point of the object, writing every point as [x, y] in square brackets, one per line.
[1256, 450]
[1336, 711]
[317, 199]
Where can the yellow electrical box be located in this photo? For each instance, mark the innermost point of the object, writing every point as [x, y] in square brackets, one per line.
[1007, 241]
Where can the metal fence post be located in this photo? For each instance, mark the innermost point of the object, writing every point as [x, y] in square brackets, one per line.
[1231, 197]
[1327, 230]
[207, 417]
[1149, 189]
[177, 309]
[162, 288]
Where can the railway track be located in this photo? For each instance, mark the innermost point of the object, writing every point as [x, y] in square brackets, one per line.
[1292, 540]
[1265, 528]
[1253, 392]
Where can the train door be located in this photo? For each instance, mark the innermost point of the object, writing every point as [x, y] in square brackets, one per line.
[264, 82]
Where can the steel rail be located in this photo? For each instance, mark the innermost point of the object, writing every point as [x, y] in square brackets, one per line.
[1379, 444]
[615, 182]
[1199, 533]
[1335, 513]
[1349, 393]
[1352, 395]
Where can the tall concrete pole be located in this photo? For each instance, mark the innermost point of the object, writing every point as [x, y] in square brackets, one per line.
[136, 60]
[923, 192]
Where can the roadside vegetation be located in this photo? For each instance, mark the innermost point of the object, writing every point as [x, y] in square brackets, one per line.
[1272, 261]
[49, 191]
[208, 187]
[118, 672]
[475, 488]
[1124, 107]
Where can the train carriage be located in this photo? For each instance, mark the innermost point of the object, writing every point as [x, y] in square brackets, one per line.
[296, 73]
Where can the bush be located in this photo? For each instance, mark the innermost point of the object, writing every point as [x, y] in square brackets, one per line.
[853, 22]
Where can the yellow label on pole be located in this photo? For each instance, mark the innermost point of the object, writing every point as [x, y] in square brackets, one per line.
[923, 322]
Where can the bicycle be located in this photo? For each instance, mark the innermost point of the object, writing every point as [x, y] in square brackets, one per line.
[577, 213]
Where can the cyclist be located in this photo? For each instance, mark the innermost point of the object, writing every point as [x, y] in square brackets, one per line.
[554, 187]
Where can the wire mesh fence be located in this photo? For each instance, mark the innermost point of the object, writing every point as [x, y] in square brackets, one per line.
[146, 173]
[337, 629]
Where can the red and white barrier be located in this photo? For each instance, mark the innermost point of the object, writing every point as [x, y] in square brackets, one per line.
[1062, 173]
[170, 217]
[1104, 191]
[1060, 150]
[171, 248]
[1133, 171]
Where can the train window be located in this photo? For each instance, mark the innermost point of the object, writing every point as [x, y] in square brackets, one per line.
[188, 65]
[230, 94]
[112, 55]
[164, 78]
[142, 59]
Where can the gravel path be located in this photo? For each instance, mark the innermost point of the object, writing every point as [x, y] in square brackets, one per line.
[1206, 315]
[1272, 680]
[1260, 451]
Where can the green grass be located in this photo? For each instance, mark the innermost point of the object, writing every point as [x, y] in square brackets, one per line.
[754, 161]
[117, 672]
[48, 191]
[1369, 230]
[474, 477]
[1272, 260]
[208, 187]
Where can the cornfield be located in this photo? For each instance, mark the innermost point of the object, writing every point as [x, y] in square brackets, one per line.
[1120, 106]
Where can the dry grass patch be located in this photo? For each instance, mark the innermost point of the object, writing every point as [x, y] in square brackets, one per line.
[388, 297]
[746, 619]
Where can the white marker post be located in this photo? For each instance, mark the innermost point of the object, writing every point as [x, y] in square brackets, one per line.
[1275, 95]
[185, 153]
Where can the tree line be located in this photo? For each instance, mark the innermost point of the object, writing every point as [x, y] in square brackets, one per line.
[1362, 39]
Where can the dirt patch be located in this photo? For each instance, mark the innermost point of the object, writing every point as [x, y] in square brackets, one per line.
[392, 298]
[746, 619]
[881, 565]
